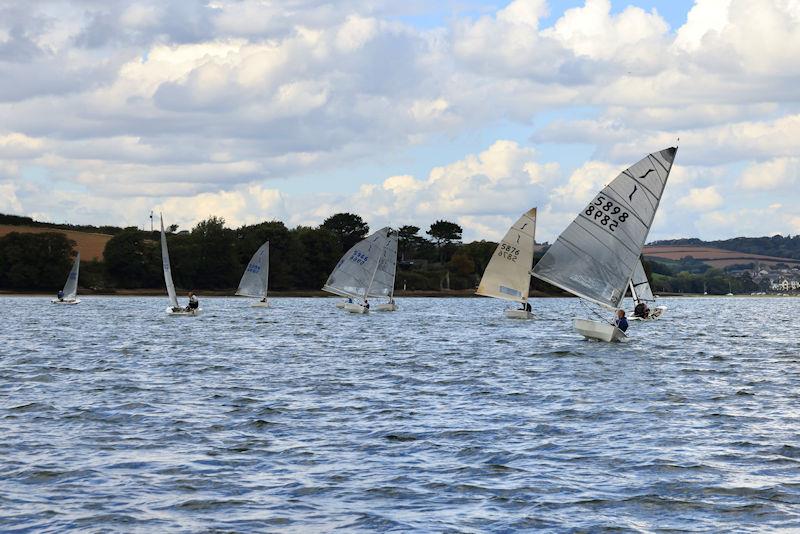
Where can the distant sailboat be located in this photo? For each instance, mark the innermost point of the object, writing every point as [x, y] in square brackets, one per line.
[508, 275]
[174, 308]
[366, 270]
[70, 291]
[594, 258]
[255, 279]
[643, 293]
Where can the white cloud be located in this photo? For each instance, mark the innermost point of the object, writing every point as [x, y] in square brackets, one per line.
[701, 199]
[778, 173]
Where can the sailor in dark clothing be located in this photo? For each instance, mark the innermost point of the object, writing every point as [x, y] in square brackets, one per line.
[641, 310]
[60, 295]
[621, 322]
[193, 302]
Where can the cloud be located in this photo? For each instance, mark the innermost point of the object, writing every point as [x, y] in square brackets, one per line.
[778, 173]
[701, 199]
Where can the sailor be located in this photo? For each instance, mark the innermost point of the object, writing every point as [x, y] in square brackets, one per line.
[60, 295]
[264, 299]
[528, 307]
[641, 310]
[621, 322]
[366, 303]
[193, 302]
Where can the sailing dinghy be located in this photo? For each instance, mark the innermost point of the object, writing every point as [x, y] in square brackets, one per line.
[71, 286]
[255, 279]
[643, 293]
[594, 258]
[508, 275]
[173, 308]
[366, 271]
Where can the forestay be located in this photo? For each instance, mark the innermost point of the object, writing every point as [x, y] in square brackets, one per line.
[354, 273]
[173, 298]
[383, 281]
[255, 278]
[640, 286]
[71, 286]
[595, 256]
[508, 274]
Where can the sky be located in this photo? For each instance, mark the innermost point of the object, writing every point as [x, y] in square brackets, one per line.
[403, 112]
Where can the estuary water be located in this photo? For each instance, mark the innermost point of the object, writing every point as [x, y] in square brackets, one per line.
[443, 416]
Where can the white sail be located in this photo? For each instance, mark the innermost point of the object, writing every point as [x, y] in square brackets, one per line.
[383, 281]
[508, 274]
[71, 286]
[256, 277]
[595, 256]
[640, 286]
[173, 298]
[355, 272]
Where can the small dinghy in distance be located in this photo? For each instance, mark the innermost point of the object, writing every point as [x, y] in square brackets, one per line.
[641, 292]
[71, 286]
[255, 279]
[508, 275]
[364, 271]
[595, 256]
[173, 309]
[382, 285]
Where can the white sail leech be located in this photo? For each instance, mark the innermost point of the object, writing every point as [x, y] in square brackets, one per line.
[173, 297]
[640, 286]
[357, 269]
[255, 279]
[507, 276]
[71, 285]
[383, 280]
[594, 258]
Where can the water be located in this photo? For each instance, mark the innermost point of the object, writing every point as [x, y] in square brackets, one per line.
[442, 417]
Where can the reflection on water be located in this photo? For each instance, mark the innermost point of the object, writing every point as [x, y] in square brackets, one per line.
[444, 415]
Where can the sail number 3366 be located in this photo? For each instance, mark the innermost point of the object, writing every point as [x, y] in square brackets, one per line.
[606, 213]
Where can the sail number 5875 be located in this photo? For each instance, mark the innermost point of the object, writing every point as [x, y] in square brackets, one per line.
[606, 213]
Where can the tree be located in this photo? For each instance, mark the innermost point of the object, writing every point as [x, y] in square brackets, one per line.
[133, 259]
[348, 227]
[281, 247]
[216, 263]
[407, 241]
[317, 253]
[35, 261]
[444, 233]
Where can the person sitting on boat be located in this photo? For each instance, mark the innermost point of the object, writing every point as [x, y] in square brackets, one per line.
[366, 303]
[60, 295]
[641, 310]
[349, 300]
[621, 322]
[528, 307]
[264, 299]
[193, 302]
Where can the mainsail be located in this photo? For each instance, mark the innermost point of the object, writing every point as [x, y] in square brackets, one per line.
[71, 286]
[358, 268]
[595, 256]
[640, 286]
[508, 274]
[255, 278]
[173, 298]
[383, 281]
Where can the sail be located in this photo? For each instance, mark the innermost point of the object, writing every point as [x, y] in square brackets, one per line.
[71, 287]
[354, 273]
[508, 274]
[255, 278]
[640, 286]
[595, 256]
[173, 298]
[383, 281]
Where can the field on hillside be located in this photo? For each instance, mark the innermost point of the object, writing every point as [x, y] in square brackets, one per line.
[716, 257]
[90, 245]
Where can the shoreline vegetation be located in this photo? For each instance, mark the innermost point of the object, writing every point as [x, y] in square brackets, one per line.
[210, 258]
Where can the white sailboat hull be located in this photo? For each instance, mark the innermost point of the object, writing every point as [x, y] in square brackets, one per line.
[355, 308]
[655, 313]
[518, 314]
[341, 304]
[182, 312]
[386, 307]
[598, 330]
[260, 304]
[74, 301]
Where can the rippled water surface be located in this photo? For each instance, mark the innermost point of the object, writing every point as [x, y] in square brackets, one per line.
[444, 416]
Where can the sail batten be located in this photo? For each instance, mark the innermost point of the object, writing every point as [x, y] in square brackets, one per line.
[358, 273]
[71, 285]
[596, 255]
[255, 279]
[173, 297]
[507, 276]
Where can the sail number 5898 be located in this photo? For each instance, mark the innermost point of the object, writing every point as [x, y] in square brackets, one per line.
[606, 213]
[508, 252]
